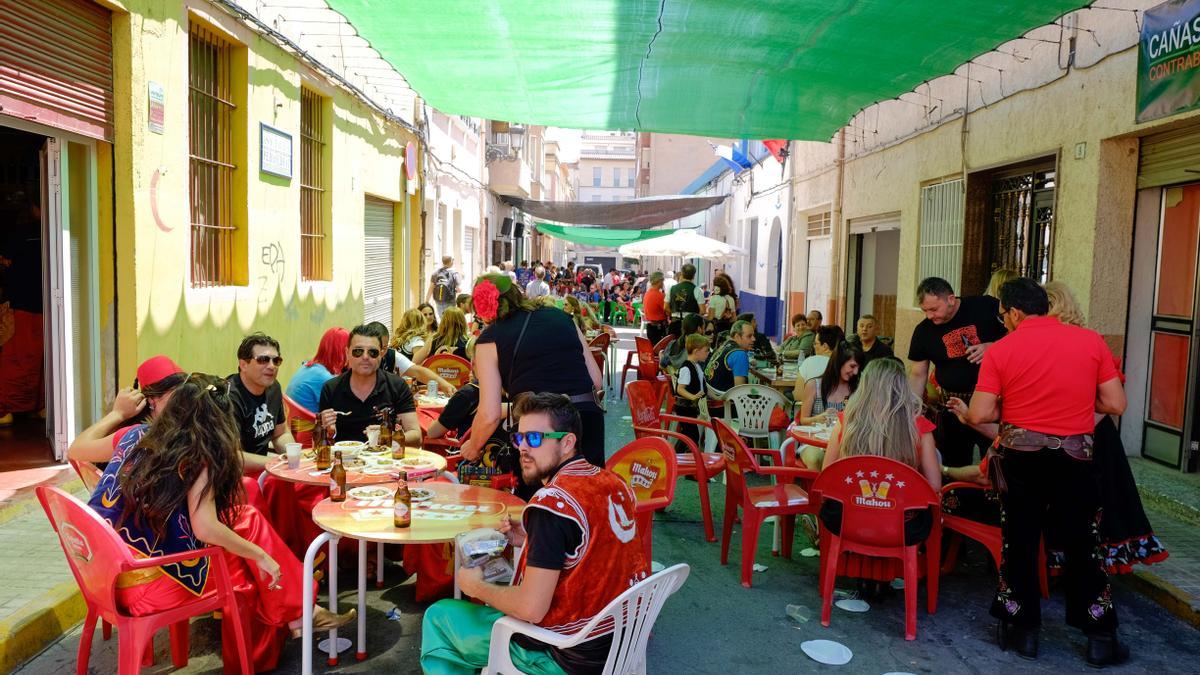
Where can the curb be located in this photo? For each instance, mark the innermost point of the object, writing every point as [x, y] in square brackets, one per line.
[1164, 594]
[27, 503]
[33, 627]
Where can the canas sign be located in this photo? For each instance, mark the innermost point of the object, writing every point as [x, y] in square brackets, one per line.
[1169, 60]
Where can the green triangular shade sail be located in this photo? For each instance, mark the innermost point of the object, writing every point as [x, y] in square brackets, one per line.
[789, 69]
[596, 236]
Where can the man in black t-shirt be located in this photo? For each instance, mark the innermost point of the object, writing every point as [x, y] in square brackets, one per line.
[258, 400]
[365, 388]
[867, 338]
[954, 336]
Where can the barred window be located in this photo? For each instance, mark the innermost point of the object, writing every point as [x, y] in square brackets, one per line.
[942, 232]
[210, 141]
[820, 224]
[313, 184]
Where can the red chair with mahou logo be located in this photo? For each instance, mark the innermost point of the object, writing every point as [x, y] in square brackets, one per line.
[97, 556]
[646, 365]
[877, 495]
[648, 466]
[648, 421]
[453, 369]
[300, 421]
[784, 499]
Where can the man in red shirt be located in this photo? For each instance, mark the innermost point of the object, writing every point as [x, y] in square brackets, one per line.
[654, 308]
[1046, 381]
[581, 550]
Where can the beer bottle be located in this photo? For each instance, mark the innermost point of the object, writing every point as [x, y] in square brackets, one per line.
[403, 506]
[320, 447]
[337, 479]
[385, 428]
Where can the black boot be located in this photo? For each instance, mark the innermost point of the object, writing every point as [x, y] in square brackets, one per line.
[1023, 640]
[1105, 650]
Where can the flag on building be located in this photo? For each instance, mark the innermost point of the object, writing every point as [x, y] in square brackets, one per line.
[736, 159]
[778, 149]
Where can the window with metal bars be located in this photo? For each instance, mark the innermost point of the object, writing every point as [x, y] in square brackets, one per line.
[314, 182]
[210, 141]
[1022, 221]
[941, 234]
[820, 224]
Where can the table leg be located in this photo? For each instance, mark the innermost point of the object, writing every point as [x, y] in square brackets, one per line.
[310, 601]
[362, 600]
[333, 599]
[379, 564]
[457, 564]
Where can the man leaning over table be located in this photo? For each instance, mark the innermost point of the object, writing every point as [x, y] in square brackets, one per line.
[581, 550]
[365, 388]
[258, 401]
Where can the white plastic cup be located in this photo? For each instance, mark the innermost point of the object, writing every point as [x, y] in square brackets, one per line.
[293, 455]
[373, 434]
[431, 389]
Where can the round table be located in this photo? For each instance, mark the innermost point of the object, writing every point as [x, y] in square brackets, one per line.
[450, 510]
[431, 403]
[307, 474]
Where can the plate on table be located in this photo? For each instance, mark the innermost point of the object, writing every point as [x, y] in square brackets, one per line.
[369, 492]
[376, 449]
[353, 464]
[414, 463]
[420, 494]
[377, 470]
[433, 401]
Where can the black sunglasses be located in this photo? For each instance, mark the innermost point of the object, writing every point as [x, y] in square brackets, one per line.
[534, 438]
[263, 359]
[358, 352]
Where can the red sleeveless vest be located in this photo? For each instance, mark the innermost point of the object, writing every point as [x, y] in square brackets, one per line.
[610, 558]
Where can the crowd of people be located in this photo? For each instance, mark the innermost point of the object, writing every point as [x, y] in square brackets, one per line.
[1007, 391]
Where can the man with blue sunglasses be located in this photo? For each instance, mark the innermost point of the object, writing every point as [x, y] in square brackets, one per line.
[581, 549]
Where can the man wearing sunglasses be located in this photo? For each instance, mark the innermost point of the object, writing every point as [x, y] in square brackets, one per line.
[258, 400]
[581, 549]
[364, 389]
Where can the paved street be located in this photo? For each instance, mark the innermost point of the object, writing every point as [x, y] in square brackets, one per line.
[713, 625]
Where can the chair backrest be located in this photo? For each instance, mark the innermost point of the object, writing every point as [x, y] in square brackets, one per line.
[297, 411]
[644, 403]
[89, 473]
[874, 493]
[633, 614]
[649, 467]
[647, 364]
[453, 369]
[300, 420]
[662, 344]
[602, 340]
[754, 403]
[738, 458]
[94, 551]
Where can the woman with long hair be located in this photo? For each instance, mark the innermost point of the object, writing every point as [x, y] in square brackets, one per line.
[722, 304]
[176, 486]
[831, 391]
[431, 322]
[1001, 276]
[526, 347]
[411, 334]
[330, 359]
[451, 337]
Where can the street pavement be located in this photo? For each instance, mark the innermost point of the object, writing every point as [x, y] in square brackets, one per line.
[713, 625]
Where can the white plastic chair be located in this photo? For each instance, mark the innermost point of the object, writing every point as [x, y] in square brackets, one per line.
[754, 403]
[633, 614]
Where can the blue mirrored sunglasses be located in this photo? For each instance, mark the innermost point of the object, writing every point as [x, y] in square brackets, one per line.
[534, 438]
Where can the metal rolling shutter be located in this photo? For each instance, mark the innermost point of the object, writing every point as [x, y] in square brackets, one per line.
[378, 228]
[56, 64]
[468, 262]
[1170, 157]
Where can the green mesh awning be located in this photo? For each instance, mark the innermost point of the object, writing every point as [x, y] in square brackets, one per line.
[598, 236]
[790, 69]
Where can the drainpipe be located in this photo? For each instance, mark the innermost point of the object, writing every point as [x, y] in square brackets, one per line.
[423, 126]
[837, 302]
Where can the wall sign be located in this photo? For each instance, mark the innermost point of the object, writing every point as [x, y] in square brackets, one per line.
[156, 98]
[274, 151]
[1169, 60]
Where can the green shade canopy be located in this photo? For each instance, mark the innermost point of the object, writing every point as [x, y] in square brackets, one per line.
[789, 69]
[597, 236]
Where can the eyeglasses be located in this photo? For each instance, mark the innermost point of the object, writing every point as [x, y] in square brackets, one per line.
[263, 359]
[357, 352]
[534, 438]
[1002, 314]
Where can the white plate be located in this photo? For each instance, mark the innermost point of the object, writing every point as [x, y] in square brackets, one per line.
[377, 471]
[853, 605]
[420, 494]
[369, 492]
[827, 651]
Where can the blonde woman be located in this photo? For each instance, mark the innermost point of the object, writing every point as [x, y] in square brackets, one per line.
[883, 418]
[1063, 304]
[1000, 277]
[451, 337]
[411, 334]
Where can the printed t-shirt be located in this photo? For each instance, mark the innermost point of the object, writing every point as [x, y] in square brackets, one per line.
[976, 322]
[1046, 373]
[390, 392]
[257, 416]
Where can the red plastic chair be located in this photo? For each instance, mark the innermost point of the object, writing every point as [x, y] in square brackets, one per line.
[300, 421]
[662, 344]
[988, 535]
[645, 401]
[784, 499]
[646, 364]
[876, 493]
[648, 465]
[453, 369]
[88, 473]
[97, 555]
[599, 346]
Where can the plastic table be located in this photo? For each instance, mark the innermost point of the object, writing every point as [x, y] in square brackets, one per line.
[450, 510]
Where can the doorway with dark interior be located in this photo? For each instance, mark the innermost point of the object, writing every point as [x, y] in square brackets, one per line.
[24, 436]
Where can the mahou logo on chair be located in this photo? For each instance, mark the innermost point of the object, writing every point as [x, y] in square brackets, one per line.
[875, 494]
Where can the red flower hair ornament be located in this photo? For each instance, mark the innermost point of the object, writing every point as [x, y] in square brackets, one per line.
[485, 297]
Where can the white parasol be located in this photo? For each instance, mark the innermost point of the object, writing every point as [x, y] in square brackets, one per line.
[682, 244]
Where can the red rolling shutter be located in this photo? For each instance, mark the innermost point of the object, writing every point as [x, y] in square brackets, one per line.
[56, 64]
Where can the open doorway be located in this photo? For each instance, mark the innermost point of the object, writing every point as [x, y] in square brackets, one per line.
[873, 269]
[24, 435]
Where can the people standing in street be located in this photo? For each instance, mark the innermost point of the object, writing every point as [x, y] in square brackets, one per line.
[722, 304]
[685, 297]
[954, 336]
[690, 387]
[537, 287]
[1045, 382]
[654, 309]
[867, 339]
[529, 348]
[258, 401]
[443, 286]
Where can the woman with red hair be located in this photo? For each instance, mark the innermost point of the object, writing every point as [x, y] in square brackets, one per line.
[305, 387]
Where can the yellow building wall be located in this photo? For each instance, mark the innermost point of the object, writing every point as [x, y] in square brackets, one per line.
[160, 312]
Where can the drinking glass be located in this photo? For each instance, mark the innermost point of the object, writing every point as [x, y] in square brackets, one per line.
[293, 455]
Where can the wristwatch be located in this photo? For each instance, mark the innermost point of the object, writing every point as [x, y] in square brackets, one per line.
[945, 471]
